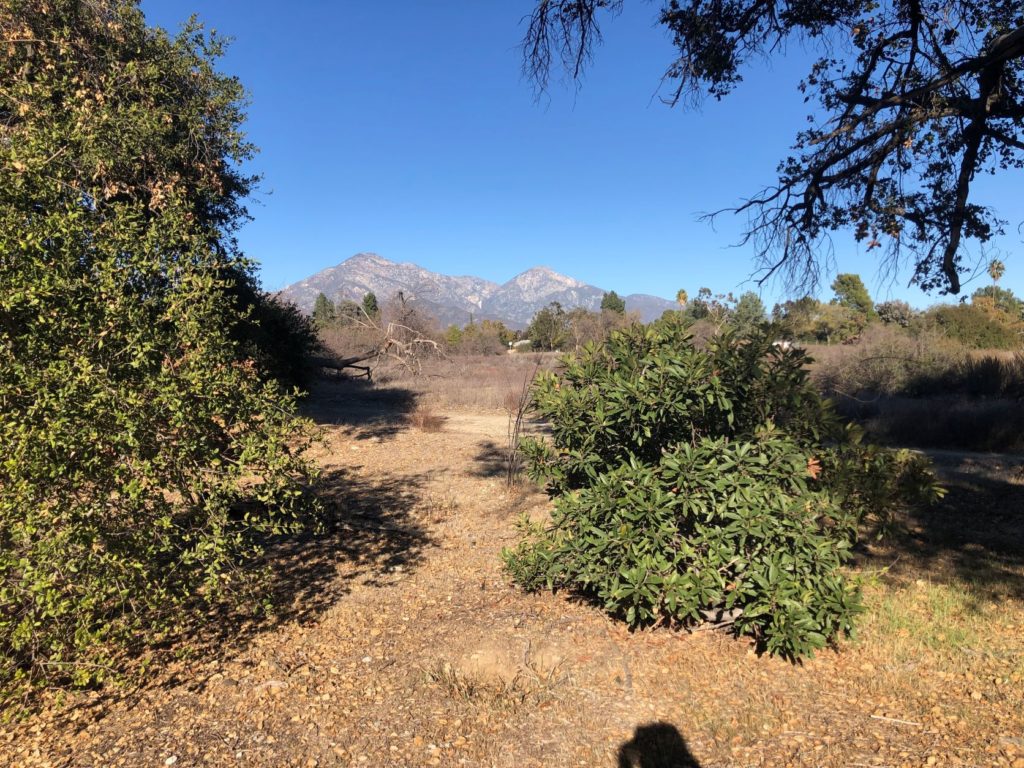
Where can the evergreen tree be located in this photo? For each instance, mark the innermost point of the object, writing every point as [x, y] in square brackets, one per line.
[611, 302]
[370, 306]
[748, 313]
[851, 293]
[324, 311]
[549, 328]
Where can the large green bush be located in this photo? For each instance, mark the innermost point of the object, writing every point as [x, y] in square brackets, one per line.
[144, 453]
[705, 484]
[979, 325]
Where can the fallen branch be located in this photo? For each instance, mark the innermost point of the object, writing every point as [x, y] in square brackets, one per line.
[895, 720]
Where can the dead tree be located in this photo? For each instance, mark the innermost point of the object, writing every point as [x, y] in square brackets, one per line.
[399, 343]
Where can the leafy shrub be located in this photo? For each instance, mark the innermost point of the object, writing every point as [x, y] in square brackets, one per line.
[979, 325]
[708, 483]
[145, 453]
[274, 334]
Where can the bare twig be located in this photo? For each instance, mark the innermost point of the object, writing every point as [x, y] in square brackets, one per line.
[895, 720]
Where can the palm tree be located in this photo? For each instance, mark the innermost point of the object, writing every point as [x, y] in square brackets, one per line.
[996, 268]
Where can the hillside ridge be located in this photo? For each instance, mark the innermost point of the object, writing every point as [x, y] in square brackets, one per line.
[454, 299]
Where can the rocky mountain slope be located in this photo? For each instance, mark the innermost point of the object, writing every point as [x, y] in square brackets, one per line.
[452, 300]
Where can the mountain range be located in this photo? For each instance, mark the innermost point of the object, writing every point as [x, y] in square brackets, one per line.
[454, 300]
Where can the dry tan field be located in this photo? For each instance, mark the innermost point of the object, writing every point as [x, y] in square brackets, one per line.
[400, 642]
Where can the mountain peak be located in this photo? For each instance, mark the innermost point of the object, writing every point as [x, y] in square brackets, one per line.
[453, 300]
[367, 258]
[544, 275]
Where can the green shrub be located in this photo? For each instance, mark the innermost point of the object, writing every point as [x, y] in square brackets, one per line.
[704, 484]
[978, 325]
[144, 453]
[274, 334]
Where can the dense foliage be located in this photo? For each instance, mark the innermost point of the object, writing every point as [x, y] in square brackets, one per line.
[612, 302]
[146, 447]
[488, 337]
[705, 483]
[980, 324]
[992, 319]
[549, 328]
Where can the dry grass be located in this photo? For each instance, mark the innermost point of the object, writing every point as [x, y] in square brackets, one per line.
[926, 391]
[524, 689]
[425, 419]
[467, 382]
[411, 648]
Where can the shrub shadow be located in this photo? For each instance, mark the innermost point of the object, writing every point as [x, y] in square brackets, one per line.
[370, 534]
[363, 411]
[656, 745]
[369, 527]
[490, 461]
[976, 533]
[940, 422]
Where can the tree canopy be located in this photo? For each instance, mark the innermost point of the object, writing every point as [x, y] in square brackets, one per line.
[612, 302]
[748, 313]
[145, 452]
[548, 329]
[370, 306]
[853, 294]
[914, 99]
[324, 311]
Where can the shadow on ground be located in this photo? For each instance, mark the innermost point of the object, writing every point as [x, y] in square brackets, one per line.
[491, 460]
[370, 528]
[975, 534]
[656, 745]
[363, 410]
[370, 532]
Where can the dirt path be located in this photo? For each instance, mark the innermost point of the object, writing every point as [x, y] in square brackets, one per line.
[406, 646]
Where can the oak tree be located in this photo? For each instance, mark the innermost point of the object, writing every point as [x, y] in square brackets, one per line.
[145, 454]
[914, 99]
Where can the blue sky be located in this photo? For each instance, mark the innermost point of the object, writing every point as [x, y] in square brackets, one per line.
[407, 129]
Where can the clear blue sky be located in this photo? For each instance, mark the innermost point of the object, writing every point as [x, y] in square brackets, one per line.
[406, 129]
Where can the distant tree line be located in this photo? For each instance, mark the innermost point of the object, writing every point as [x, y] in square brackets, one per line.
[992, 318]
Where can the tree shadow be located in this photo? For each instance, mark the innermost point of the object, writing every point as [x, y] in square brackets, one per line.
[656, 745]
[370, 534]
[491, 461]
[370, 529]
[975, 534]
[362, 409]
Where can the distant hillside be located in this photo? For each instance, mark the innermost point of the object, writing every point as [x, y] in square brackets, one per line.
[453, 299]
